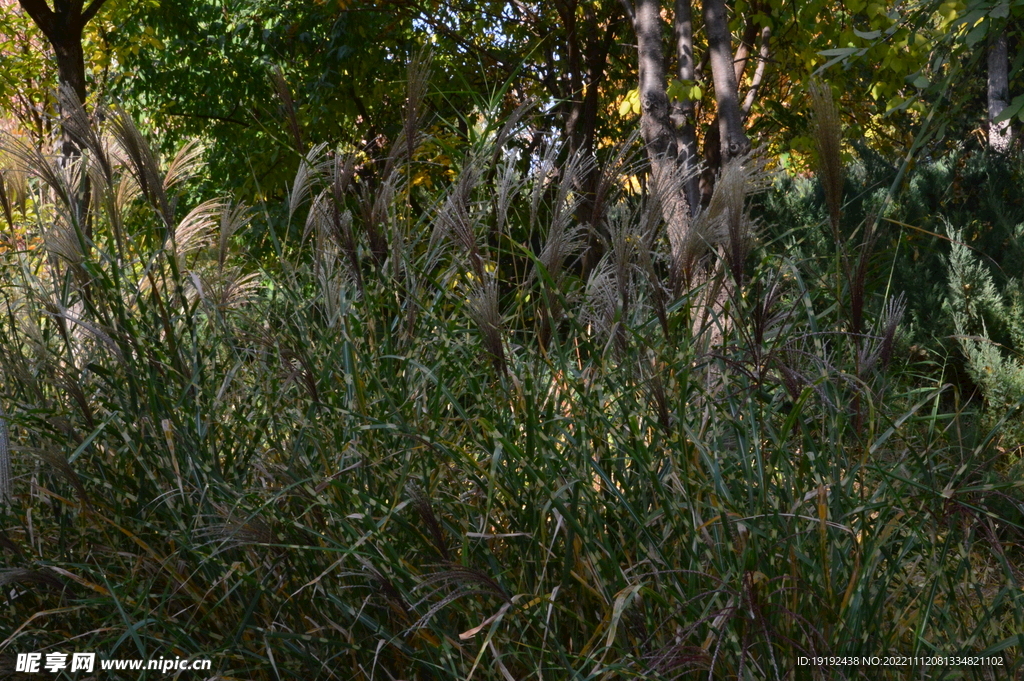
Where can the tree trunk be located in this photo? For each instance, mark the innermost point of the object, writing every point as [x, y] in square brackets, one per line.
[999, 134]
[70, 61]
[655, 125]
[683, 111]
[660, 136]
[734, 140]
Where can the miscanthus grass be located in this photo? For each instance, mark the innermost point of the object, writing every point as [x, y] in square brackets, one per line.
[423, 441]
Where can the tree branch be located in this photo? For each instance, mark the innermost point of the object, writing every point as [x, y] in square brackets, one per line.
[40, 13]
[91, 10]
[762, 62]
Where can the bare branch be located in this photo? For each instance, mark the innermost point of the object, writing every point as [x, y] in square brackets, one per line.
[762, 62]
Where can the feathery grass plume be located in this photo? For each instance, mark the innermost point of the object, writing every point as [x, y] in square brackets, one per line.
[892, 315]
[378, 205]
[185, 164]
[648, 230]
[225, 289]
[467, 581]
[417, 83]
[564, 237]
[60, 232]
[509, 184]
[828, 137]
[28, 161]
[614, 172]
[510, 129]
[456, 219]
[740, 229]
[346, 238]
[318, 223]
[387, 588]
[232, 219]
[142, 163]
[335, 283]
[483, 308]
[284, 93]
[76, 124]
[857, 280]
[196, 229]
[6, 474]
[311, 168]
[687, 242]
[341, 178]
[544, 169]
[621, 245]
[600, 300]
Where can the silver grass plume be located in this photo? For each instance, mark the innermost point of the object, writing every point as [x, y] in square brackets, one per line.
[483, 308]
[184, 165]
[142, 163]
[232, 219]
[418, 80]
[509, 184]
[78, 126]
[377, 207]
[224, 289]
[231, 529]
[543, 170]
[455, 219]
[335, 287]
[6, 475]
[318, 223]
[13, 189]
[509, 129]
[688, 239]
[563, 238]
[622, 245]
[828, 136]
[311, 167]
[600, 298]
[880, 347]
[610, 180]
[196, 229]
[26, 160]
[726, 221]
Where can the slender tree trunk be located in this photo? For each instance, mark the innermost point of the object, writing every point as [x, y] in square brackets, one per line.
[655, 125]
[683, 111]
[734, 140]
[999, 134]
[660, 135]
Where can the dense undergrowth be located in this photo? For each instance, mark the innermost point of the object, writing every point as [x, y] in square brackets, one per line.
[418, 443]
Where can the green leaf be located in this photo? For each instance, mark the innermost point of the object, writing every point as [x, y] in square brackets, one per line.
[977, 34]
[1000, 11]
[1015, 107]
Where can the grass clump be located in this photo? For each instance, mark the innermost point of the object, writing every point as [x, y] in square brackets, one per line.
[424, 443]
